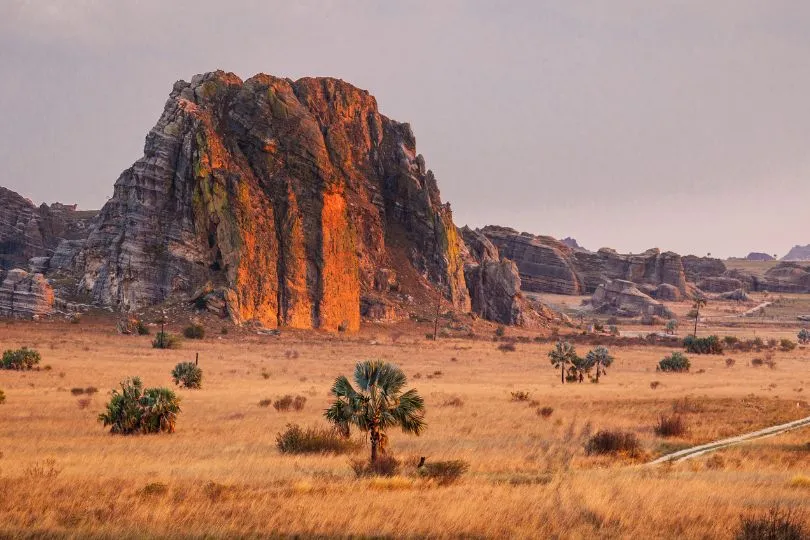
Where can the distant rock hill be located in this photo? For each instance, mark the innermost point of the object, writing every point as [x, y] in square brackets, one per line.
[798, 253]
[288, 203]
[758, 256]
[571, 242]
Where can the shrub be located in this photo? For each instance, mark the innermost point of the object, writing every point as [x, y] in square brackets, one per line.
[2, 397]
[545, 412]
[520, 395]
[444, 472]
[613, 442]
[454, 401]
[265, 402]
[674, 363]
[730, 362]
[804, 336]
[187, 375]
[777, 524]
[787, 345]
[507, 347]
[298, 403]
[164, 340]
[313, 440]
[670, 426]
[757, 362]
[386, 465]
[154, 488]
[141, 328]
[672, 326]
[731, 341]
[138, 410]
[21, 359]
[500, 331]
[655, 384]
[283, 404]
[77, 391]
[90, 390]
[194, 331]
[706, 345]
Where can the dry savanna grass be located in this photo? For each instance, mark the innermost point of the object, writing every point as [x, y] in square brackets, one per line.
[221, 474]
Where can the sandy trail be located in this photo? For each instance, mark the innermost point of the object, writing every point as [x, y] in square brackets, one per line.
[695, 451]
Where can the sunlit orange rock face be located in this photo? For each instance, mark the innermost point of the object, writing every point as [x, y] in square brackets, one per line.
[284, 197]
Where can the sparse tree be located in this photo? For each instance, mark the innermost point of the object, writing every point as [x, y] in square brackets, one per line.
[562, 355]
[672, 326]
[600, 358]
[699, 303]
[378, 404]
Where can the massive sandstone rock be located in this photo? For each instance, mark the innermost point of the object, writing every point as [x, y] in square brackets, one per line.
[700, 268]
[25, 295]
[798, 253]
[283, 196]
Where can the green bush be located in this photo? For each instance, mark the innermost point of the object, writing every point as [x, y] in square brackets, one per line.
[313, 440]
[195, 331]
[138, 410]
[21, 359]
[676, 362]
[444, 472]
[804, 336]
[707, 345]
[141, 328]
[500, 331]
[2, 397]
[787, 345]
[164, 340]
[187, 375]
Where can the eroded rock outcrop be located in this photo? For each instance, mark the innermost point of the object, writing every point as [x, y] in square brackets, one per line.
[623, 298]
[25, 295]
[798, 253]
[285, 196]
[700, 268]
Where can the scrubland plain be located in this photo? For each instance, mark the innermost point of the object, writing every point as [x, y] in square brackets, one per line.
[220, 474]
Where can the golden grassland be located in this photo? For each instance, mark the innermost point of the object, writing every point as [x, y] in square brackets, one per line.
[220, 474]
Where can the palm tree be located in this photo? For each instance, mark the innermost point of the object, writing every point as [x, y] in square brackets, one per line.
[599, 357]
[699, 303]
[562, 355]
[379, 403]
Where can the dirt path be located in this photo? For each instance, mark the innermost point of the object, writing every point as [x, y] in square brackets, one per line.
[695, 451]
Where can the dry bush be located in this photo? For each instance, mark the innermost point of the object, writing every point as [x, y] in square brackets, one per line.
[776, 524]
[298, 403]
[2, 397]
[42, 469]
[77, 391]
[444, 472]
[613, 442]
[313, 440]
[194, 331]
[786, 345]
[507, 347]
[283, 404]
[686, 405]
[83, 403]
[655, 384]
[520, 395]
[265, 402]
[454, 401]
[671, 426]
[730, 362]
[386, 465]
[291, 354]
[154, 489]
[757, 362]
[545, 412]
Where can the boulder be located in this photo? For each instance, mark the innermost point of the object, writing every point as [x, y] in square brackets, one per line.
[622, 297]
[667, 293]
[495, 291]
[720, 284]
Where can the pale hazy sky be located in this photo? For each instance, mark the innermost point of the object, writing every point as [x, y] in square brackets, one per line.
[626, 123]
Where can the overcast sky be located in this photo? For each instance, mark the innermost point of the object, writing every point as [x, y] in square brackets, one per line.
[683, 125]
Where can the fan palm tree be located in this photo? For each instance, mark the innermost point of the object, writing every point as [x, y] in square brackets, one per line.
[599, 357]
[562, 355]
[699, 303]
[378, 404]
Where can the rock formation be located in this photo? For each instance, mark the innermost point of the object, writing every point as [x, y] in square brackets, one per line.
[699, 268]
[621, 297]
[24, 295]
[28, 231]
[798, 253]
[758, 256]
[721, 284]
[282, 197]
[547, 265]
[494, 283]
[572, 243]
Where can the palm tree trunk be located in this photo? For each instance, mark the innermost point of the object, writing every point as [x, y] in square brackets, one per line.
[375, 442]
[697, 316]
[597, 372]
[562, 372]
